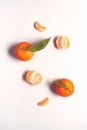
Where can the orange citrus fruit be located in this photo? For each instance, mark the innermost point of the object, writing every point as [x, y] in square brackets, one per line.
[64, 87]
[22, 52]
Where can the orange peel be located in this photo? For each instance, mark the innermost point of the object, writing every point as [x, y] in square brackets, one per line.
[39, 27]
[62, 42]
[33, 77]
[44, 102]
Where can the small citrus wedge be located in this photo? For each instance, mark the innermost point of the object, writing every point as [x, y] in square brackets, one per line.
[43, 102]
[39, 27]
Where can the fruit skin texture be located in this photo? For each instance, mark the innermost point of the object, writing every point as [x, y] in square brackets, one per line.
[65, 92]
[22, 52]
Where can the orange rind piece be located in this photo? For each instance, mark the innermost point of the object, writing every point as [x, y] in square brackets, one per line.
[44, 102]
[33, 77]
[39, 27]
[62, 42]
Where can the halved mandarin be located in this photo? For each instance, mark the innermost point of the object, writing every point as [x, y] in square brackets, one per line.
[62, 42]
[39, 27]
[33, 77]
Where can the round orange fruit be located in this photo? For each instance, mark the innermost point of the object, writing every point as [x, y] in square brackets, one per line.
[22, 52]
[64, 87]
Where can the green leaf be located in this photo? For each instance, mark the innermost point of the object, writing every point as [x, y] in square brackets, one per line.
[58, 82]
[39, 46]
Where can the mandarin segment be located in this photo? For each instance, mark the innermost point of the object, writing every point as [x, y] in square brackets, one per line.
[44, 102]
[39, 27]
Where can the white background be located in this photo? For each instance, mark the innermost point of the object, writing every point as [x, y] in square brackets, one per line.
[18, 100]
